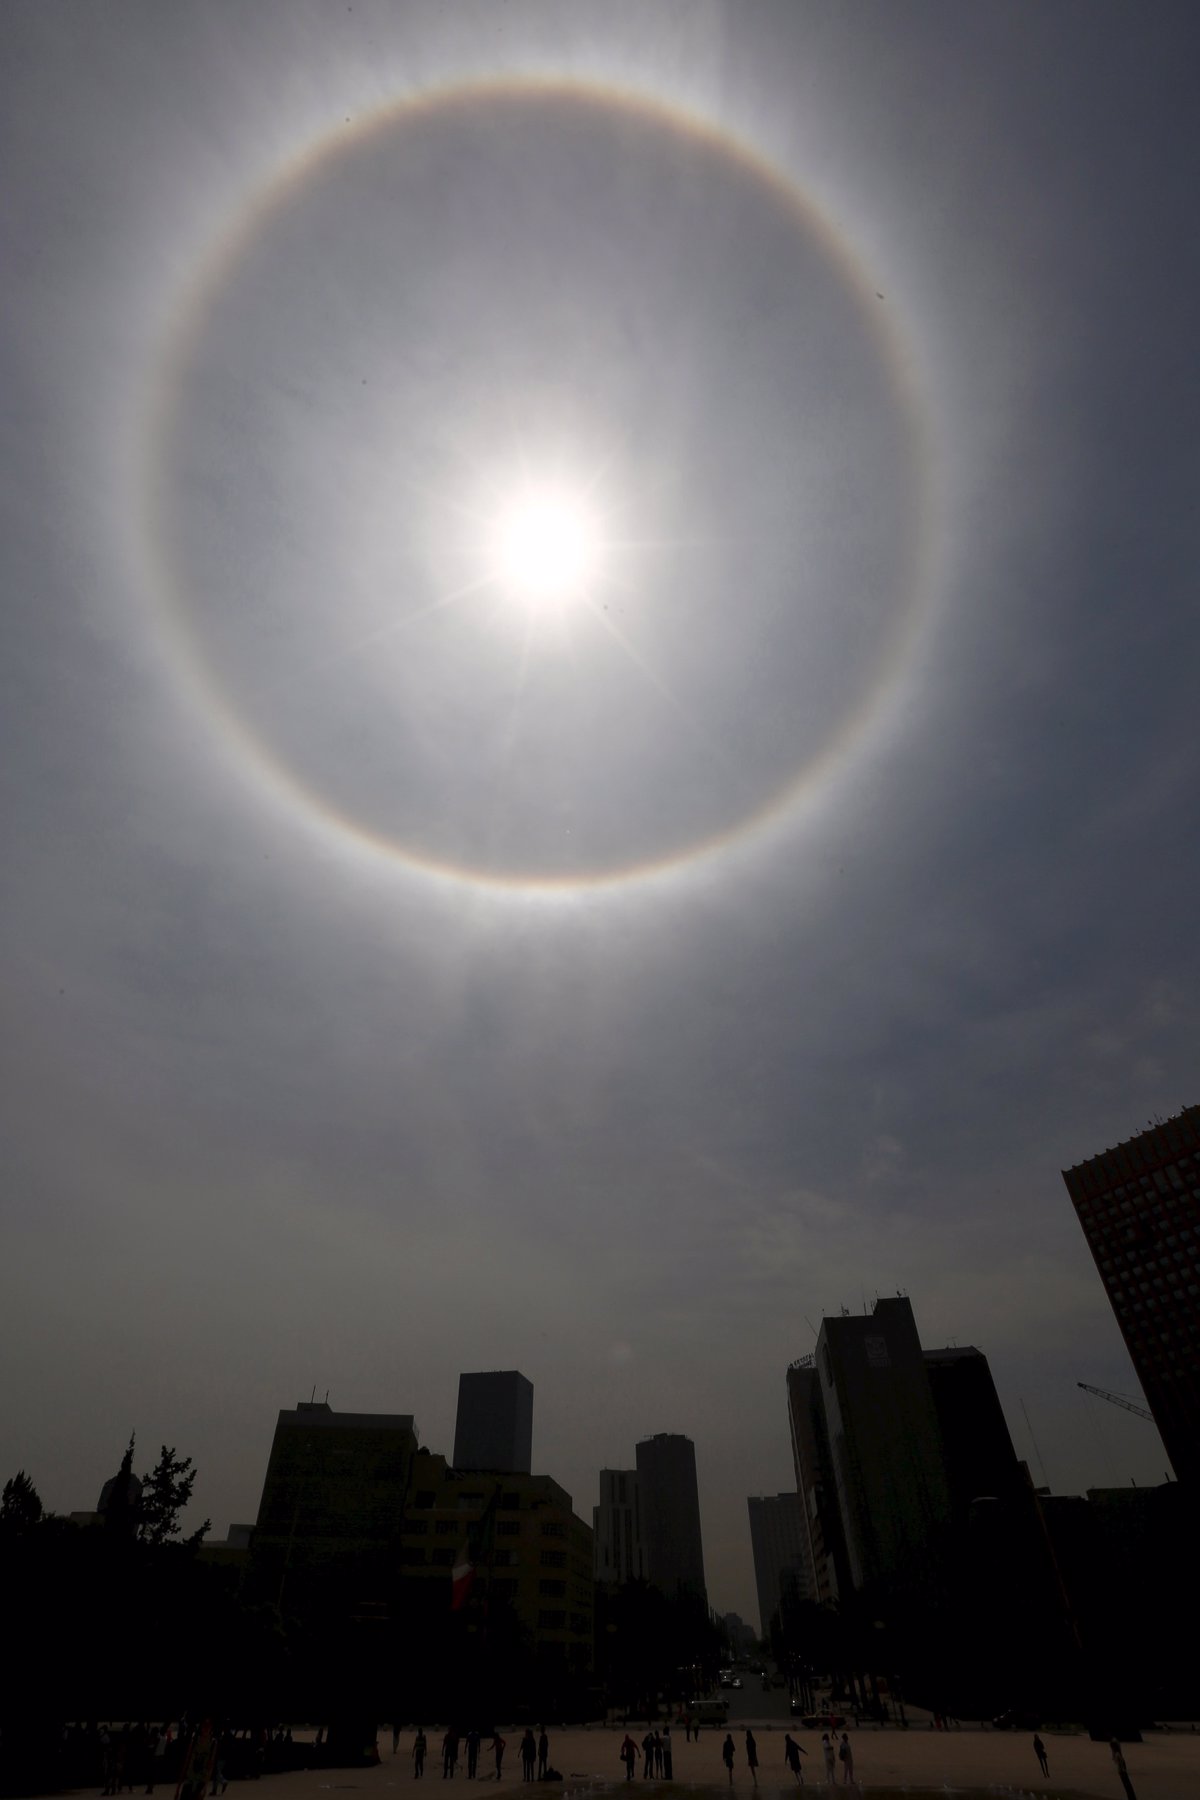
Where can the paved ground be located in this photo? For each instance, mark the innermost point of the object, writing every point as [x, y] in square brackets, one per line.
[1165, 1767]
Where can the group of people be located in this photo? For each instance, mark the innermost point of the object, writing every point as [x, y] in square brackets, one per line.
[535, 1752]
[657, 1757]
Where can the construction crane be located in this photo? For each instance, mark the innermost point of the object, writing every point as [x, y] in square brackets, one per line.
[1117, 1400]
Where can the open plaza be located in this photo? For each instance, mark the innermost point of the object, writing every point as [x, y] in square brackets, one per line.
[919, 1761]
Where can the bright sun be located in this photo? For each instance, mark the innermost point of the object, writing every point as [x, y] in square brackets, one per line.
[546, 547]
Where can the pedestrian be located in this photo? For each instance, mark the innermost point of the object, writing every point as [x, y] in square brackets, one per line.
[543, 1754]
[395, 1738]
[628, 1755]
[1039, 1750]
[668, 1764]
[658, 1754]
[752, 1756]
[727, 1756]
[220, 1774]
[449, 1754]
[846, 1755]
[830, 1759]
[528, 1754]
[472, 1753]
[648, 1756]
[420, 1746]
[792, 1752]
[498, 1744]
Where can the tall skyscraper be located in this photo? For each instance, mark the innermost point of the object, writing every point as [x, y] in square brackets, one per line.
[617, 1528]
[778, 1542]
[494, 1428]
[829, 1571]
[870, 1466]
[980, 1461]
[1139, 1206]
[670, 1506]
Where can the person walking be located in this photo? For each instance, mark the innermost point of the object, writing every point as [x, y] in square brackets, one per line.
[827, 1752]
[648, 1757]
[752, 1756]
[472, 1754]
[420, 1745]
[528, 1754]
[727, 1756]
[792, 1752]
[498, 1744]
[846, 1757]
[629, 1756]
[449, 1754]
[658, 1754]
[543, 1748]
[1039, 1750]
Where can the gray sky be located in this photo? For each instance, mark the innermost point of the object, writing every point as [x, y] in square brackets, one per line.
[403, 978]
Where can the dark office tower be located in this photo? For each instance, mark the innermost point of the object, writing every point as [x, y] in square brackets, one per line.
[494, 1429]
[980, 1461]
[335, 1488]
[884, 1443]
[829, 1571]
[1139, 1206]
[780, 1553]
[617, 1528]
[670, 1502]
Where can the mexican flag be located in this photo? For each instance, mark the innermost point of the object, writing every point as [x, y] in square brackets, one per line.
[476, 1545]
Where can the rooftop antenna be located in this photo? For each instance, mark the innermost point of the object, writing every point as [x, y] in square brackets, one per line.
[327, 1396]
[810, 1324]
[313, 1397]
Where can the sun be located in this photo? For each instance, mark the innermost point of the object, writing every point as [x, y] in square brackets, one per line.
[546, 547]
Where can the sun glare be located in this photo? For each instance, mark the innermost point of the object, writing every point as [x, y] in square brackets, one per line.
[546, 547]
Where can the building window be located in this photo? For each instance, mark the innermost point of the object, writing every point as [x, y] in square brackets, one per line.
[552, 1621]
[510, 1502]
[444, 1559]
[552, 1530]
[553, 1559]
[508, 1528]
[444, 1527]
[416, 1527]
[553, 1590]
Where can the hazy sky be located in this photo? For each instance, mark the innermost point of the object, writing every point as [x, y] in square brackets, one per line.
[406, 973]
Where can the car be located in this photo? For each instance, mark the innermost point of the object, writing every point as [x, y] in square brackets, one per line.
[817, 1721]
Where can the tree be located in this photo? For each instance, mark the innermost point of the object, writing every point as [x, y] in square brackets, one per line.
[165, 1492]
[20, 1504]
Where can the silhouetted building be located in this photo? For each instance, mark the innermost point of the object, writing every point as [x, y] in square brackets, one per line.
[829, 1570]
[529, 1550]
[980, 1461]
[884, 1442]
[1139, 1206]
[335, 1486]
[617, 1528]
[494, 1428]
[670, 1509]
[356, 1518]
[780, 1553]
